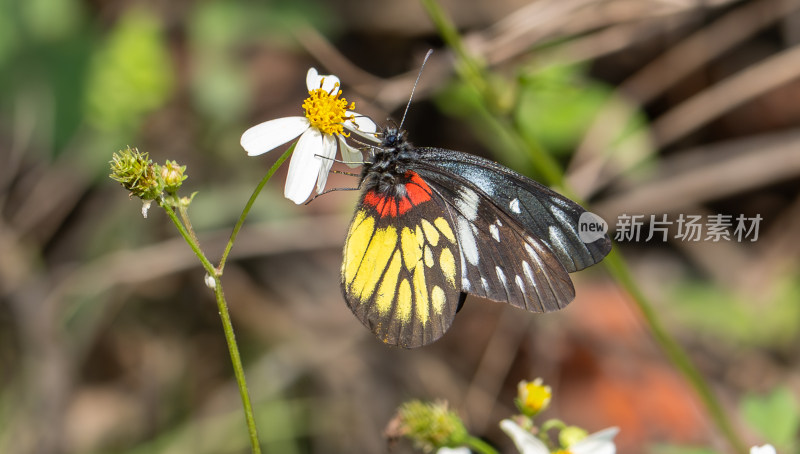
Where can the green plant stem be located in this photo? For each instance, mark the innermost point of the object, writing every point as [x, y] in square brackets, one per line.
[469, 68]
[473, 74]
[480, 446]
[190, 240]
[249, 205]
[553, 175]
[183, 212]
[676, 354]
[552, 424]
[543, 162]
[238, 369]
[227, 326]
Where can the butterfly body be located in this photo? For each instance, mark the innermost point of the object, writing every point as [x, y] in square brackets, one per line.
[434, 225]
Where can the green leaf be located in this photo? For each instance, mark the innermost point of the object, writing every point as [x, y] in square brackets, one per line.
[775, 416]
[557, 104]
[10, 39]
[732, 317]
[51, 20]
[131, 75]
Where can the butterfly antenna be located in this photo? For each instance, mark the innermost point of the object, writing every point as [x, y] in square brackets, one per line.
[430, 51]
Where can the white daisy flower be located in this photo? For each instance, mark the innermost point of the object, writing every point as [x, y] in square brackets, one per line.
[327, 115]
[601, 442]
[766, 449]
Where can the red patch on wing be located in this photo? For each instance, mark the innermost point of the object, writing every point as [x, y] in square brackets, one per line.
[417, 191]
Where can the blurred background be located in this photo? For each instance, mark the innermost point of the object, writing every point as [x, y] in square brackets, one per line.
[111, 343]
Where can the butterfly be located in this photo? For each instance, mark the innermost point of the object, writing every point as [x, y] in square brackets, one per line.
[434, 225]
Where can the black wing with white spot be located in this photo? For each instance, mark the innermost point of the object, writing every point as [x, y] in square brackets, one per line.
[500, 258]
[544, 214]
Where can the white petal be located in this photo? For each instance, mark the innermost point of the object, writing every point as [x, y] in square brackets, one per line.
[304, 167]
[363, 126]
[263, 137]
[362, 123]
[459, 450]
[328, 155]
[601, 442]
[210, 282]
[525, 441]
[146, 207]
[314, 79]
[351, 156]
[766, 449]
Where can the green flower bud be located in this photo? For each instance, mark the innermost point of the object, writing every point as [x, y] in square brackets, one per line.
[533, 397]
[136, 173]
[571, 435]
[173, 176]
[429, 425]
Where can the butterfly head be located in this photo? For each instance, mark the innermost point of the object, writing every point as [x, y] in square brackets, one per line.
[395, 139]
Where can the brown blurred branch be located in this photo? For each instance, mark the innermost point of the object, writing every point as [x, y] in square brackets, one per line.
[708, 173]
[703, 46]
[734, 91]
[612, 23]
[171, 256]
[591, 163]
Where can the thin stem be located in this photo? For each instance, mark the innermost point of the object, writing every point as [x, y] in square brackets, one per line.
[553, 174]
[227, 326]
[542, 161]
[238, 369]
[473, 74]
[249, 205]
[480, 446]
[552, 424]
[184, 213]
[469, 68]
[677, 355]
[192, 241]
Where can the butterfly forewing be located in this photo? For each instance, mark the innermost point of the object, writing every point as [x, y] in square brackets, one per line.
[545, 214]
[400, 273]
[500, 259]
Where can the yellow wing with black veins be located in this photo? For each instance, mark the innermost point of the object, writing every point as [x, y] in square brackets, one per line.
[401, 274]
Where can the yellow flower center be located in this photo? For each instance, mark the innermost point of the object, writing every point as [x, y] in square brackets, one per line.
[563, 451]
[537, 397]
[327, 111]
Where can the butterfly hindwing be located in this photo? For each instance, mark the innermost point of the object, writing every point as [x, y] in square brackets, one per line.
[544, 213]
[400, 273]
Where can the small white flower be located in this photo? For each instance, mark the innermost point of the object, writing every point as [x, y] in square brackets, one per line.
[766, 449]
[459, 450]
[525, 441]
[601, 442]
[327, 115]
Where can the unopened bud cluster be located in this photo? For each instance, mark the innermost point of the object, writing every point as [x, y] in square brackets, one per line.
[143, 178]
[430, 425]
